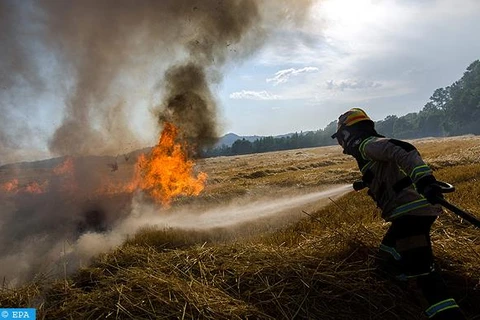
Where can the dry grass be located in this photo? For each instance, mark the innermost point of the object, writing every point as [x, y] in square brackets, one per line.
[320, 267]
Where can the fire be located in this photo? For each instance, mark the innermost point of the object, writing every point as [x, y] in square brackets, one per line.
[35, 187]
[65, 172]
[64, 168]
[108, 188]
[10, 186]
[14, 187]
[166, 172]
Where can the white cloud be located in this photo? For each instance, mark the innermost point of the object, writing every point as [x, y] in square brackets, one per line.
[351, 84]
[283, 76]
[254, 95]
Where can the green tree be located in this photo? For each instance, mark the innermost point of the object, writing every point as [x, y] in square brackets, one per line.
[431, 123]
[440, 98]
[242, 147]
[385, 127]
[464, 107]
[405, 127]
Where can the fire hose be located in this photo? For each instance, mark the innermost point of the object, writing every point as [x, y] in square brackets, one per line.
[443, 187]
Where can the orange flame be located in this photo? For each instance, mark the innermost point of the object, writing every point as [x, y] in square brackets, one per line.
[35, 187]
[66, 167]
[65, 171]
[108, 188]
[13, 187]
[10, 186]
[166, 172]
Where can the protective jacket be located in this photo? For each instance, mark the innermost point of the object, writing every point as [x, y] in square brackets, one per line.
[390, 170]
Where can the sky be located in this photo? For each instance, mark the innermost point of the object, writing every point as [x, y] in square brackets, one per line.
[385, 56]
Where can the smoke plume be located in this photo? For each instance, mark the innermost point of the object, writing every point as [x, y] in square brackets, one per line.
[102, 57]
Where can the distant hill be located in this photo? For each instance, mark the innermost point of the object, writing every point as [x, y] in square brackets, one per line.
[230, 138]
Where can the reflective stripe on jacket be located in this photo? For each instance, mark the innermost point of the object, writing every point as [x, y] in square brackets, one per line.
[389, 168]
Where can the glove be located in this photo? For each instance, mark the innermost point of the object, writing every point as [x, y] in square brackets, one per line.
[428, 187]
[359, 185]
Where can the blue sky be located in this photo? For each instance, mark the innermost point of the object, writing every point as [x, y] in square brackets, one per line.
[385, 56]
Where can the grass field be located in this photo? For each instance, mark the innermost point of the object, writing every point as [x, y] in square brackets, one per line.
[308, 267]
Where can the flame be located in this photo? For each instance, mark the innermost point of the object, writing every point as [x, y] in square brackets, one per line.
[108, 188]
[65, 172]
[166, 171]
[13, 187]
[35, 187]
[64, 168]
[10, 186]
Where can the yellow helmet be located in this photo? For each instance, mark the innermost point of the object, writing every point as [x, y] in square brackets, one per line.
[348, 119]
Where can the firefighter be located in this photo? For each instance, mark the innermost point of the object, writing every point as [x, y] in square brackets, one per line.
[404, 188]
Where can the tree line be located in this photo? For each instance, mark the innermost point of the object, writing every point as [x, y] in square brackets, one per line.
[453, 110]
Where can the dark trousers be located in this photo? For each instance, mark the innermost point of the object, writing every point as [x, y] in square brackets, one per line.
[406, 252]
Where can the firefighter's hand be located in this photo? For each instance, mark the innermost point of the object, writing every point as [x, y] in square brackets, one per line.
[359, 185]
[429, 188]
